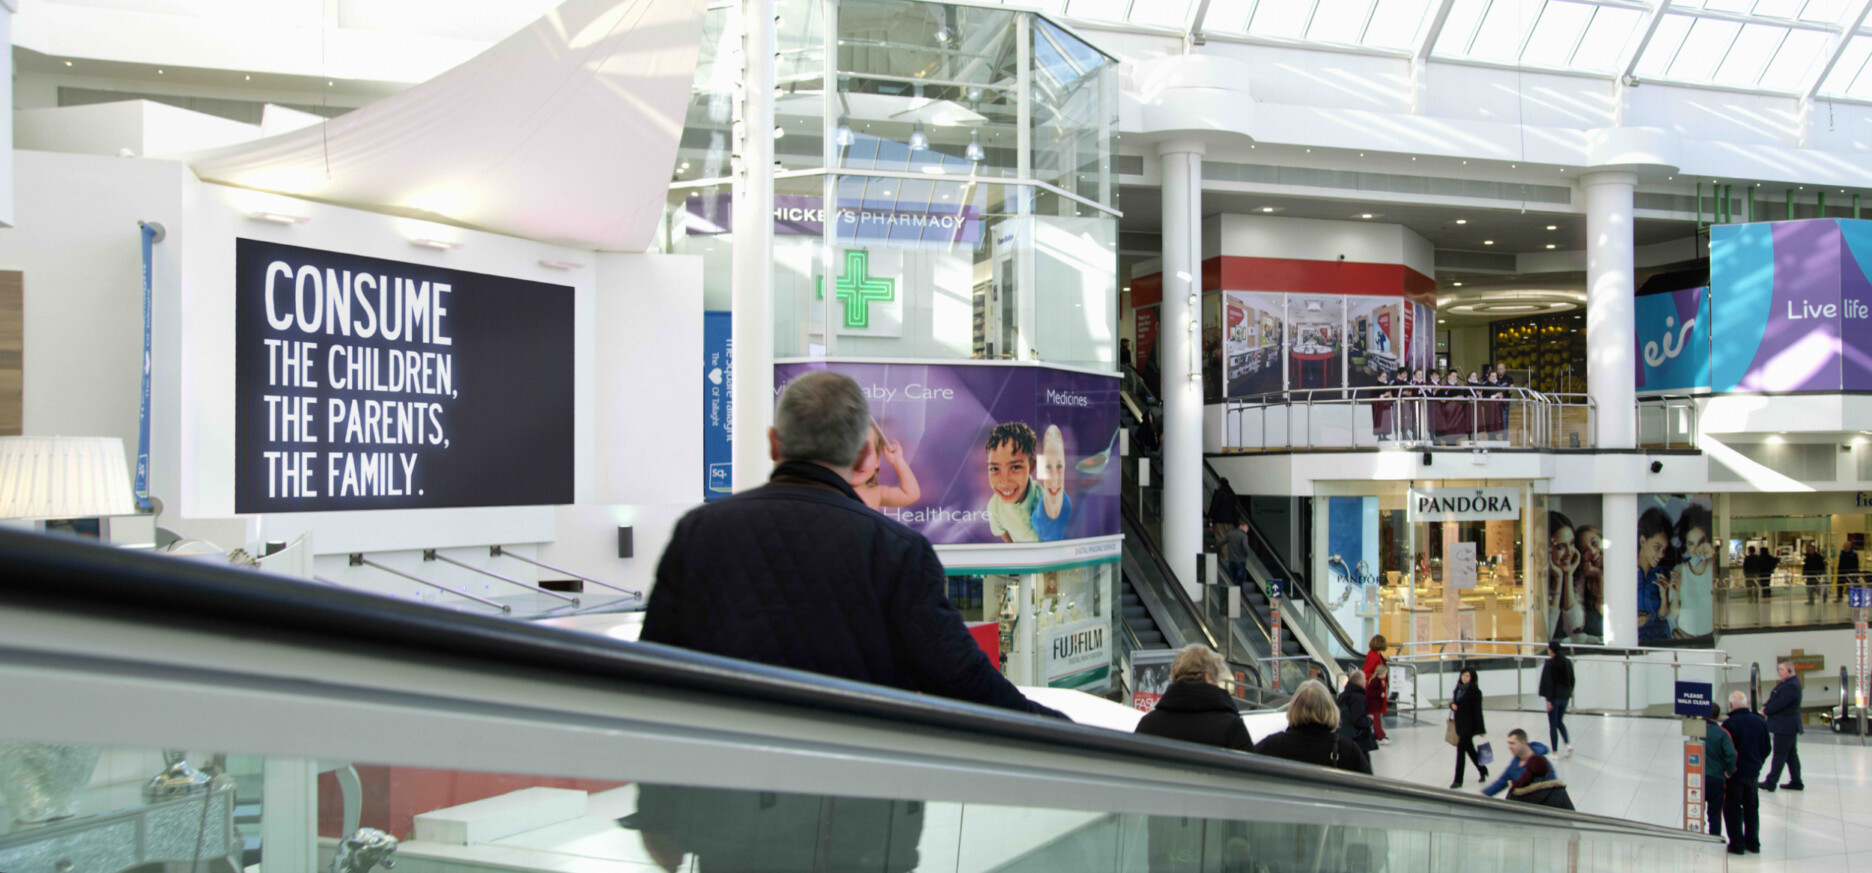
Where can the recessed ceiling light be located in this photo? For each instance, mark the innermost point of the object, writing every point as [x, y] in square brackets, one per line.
[1553, 227]
[1457, 284]
[1462, 221]
[1365, 215]
[278, 217]
[68, 63]
[1550, 245]
[158, 72]
[1267, 209]
[1488, 242]
[438, 244]
[247, 78]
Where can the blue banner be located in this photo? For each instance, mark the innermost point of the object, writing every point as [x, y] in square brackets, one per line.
[1694, 699]
[141, 486]
[717, 410]
[1672, 332]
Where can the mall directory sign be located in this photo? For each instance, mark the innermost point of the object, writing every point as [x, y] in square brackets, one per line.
[363, 383]
[987, 453]
[1789, 300]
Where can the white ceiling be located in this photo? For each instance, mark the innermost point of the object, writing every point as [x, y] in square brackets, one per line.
[564, 132]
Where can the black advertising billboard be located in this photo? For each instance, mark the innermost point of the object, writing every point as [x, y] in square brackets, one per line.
[363, 383]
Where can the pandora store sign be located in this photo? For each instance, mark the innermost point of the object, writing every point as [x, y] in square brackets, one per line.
[1465, 504]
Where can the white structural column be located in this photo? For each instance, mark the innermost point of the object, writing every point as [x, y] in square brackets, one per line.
[1610, 284]
[1179, 360]
[752, 322]
[1620, 520]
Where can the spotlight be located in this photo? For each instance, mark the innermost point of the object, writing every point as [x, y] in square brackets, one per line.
[975, 152]
[919, 139]
[844, 136]
[1426, 457]
[1657, 466]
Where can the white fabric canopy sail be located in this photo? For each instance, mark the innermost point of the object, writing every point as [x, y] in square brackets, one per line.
[565, 132]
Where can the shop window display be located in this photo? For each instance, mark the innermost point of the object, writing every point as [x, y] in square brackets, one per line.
[1053, 628]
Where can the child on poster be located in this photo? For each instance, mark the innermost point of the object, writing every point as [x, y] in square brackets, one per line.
[1052, 514]
[1654, 601]
[1010, 477]
[877, 495]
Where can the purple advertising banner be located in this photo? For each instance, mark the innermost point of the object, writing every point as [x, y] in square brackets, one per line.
[1780, 321]
[990, 453]
[881, 221]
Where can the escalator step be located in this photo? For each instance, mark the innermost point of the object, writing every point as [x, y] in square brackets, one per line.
[1135, 612]
[1151, 639]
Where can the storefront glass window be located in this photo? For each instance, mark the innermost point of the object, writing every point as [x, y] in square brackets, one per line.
[1053, 628]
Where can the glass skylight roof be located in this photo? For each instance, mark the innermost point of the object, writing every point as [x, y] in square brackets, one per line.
[1776, 46]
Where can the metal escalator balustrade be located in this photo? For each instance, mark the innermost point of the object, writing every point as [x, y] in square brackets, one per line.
[496, 745]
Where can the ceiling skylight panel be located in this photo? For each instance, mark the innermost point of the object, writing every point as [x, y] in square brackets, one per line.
[1098, 10]
[1227, 16]
[1799, 58]
[1396, 23]
[1460, 27]
[1160, 13]
[1664, 45]
[1829, 11]
[1503, 29]
[1612, 29]
[1749, 56]
[1741, 6]
[1852, 63]
[1559, 29]
[1778, 8]
[1283, 19]
[1705, 47]
[1339, 21]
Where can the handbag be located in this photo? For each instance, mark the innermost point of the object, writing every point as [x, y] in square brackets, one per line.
[1450, 735]
[1485, 753]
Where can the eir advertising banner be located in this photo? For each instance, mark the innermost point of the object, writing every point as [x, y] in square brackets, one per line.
[989, 453]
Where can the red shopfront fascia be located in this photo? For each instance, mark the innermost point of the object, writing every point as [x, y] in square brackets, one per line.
[1234, 273]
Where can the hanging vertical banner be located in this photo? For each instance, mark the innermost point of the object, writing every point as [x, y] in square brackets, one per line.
[717, 404]
[141, 486]
[1693, 786]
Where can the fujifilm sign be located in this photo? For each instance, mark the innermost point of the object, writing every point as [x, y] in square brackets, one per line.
[1465, 504]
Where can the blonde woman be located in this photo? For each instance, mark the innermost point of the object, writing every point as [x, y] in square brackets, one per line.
[878, 496]
[1195, 709]
[1312, 734]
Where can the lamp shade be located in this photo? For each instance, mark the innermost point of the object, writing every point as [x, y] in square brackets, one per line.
[64, 477]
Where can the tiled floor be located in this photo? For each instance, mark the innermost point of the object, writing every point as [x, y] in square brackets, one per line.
[1632, 768]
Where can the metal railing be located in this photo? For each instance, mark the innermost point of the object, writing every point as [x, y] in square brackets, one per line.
[1715, 659]
[1786, 598]
[1409, 415]
[1668, 422]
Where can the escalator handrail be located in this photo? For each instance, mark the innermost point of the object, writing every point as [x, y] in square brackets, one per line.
[1266, 553]
[64, 575]
[1155, 552]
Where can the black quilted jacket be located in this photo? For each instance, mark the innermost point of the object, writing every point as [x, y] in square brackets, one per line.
[800, 573]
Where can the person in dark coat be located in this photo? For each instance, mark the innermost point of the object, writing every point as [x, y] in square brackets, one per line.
[1312, 734]
[1719, 763]
[1813, 573]
[1537, 784]
[1124, 352]
[1847, 570]
[1383, 421]
[1195, 709]
[1466, 712]
[734, 581]
[1742, 796]
[1355, 721]
[1556, 687]
[1784, 724]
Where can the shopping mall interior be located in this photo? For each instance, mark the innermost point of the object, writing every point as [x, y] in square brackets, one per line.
[1484, 341]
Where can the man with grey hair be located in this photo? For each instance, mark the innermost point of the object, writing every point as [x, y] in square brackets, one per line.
[1741, 795]
[800, 573]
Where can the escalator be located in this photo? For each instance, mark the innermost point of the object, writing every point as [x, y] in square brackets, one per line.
[491, 745]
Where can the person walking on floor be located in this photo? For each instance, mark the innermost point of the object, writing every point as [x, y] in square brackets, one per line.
[1195, 708]
[1741, 794]
[1312, 734]
[1719, 764]
[1784, 723]
[1377, 684]
[1466, 715]
[1355, 721]
[1556, 686]
[1848, 570]
[1813, 572]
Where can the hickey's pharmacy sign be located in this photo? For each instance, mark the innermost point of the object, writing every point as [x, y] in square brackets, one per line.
[1465, 504]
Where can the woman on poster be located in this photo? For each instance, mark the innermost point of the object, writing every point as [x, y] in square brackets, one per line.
[1591, 544]
[1693, 581]
[1563, 562]
[1654, 552]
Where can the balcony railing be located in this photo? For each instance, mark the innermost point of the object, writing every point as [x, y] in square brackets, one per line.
[1408, 416]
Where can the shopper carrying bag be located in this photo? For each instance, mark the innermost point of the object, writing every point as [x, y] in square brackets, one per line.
[1466, 707]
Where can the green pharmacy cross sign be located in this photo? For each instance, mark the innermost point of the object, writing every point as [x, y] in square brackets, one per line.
[858, 289]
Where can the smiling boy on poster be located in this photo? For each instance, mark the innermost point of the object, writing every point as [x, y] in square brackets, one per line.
[1010, 477]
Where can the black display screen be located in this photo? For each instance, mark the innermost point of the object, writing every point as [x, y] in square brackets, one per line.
[363, 383]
